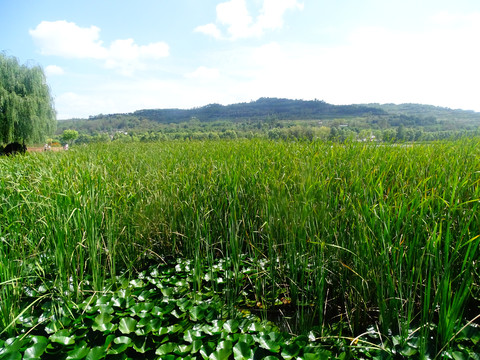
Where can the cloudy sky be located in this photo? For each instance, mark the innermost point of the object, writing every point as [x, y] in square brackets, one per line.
[114, 56]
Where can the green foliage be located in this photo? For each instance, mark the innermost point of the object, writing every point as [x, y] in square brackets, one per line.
[69, 135]
[26, 107]
[137, 320]
[286, 120]
[374, 243]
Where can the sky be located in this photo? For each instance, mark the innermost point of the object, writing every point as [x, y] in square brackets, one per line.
[118, 56]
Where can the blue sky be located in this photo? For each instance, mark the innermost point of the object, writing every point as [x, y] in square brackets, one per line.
[115, 56]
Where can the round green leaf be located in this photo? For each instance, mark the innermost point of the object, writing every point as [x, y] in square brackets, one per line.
[79, 352]
[197, 313]
[62, 337]
[223, 351]
[268, 344]
[165, 349]
[101, 320]
[121, 344]
[96, 353]
[127, 325]
[36, 350]
[231, 325]
[242, 351]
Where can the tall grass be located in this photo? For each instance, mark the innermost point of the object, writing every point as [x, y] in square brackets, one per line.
[365, 234]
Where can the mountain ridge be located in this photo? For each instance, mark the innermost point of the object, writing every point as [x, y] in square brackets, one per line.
[288, 109]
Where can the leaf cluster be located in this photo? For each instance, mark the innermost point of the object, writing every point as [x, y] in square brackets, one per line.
[154, 316]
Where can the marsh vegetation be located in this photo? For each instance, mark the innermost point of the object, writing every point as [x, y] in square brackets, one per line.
[172, 248]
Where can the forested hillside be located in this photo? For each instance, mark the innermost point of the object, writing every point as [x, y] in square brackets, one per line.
[283, 118]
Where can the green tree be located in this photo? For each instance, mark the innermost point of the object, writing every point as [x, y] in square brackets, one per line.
[69, 135]
[401, 133]
[26, 107]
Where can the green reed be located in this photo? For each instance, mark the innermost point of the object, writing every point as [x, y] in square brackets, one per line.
[363, 234]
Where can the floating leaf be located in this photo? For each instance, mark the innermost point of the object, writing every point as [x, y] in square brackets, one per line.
[156, 311]
[119, 302]
[104, 327]
[223, 351]
[103, 318]
[268, 344]
[459, 355]
[166, 308]
[207, 349]
[36, 350]
[153, 325]
[408, 350]
[311, 353]
[62, 337]
[196, 346]
[247, 339]
[470, 333]
[290, 351]
[80, 351]
[175, 328]
[12, 345]
[167, 291]
[103, 300]
[53, 326]
[191, 335]
[121, 344]
[184, 304]
[137, 283]
[231, 325]
[127, 325]
[140, 345]
[27, 321]
[197, 313]
[145, 320]
[15, 355]
[141, 308]
[165, 349]
[242, 351]
[178, 315]
[96, 353]
[183, 349]
[254, 327]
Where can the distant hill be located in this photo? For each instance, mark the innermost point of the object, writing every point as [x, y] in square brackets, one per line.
[283, 109]
[267, 112]
[418, 110]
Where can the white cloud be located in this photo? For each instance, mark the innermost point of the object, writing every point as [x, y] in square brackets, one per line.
[66, 39]
[203, 72]
[235, 17]
[445, 18]
[126, 56]
[54, 70]
[271, 16]
[209, 29]
[154, 51]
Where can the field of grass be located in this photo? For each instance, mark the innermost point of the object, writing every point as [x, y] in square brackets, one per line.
[376, 244]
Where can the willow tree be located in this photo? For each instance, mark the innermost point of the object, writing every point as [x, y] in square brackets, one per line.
[26, 106]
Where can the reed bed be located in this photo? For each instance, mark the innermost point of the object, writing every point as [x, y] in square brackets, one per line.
[359, 238]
